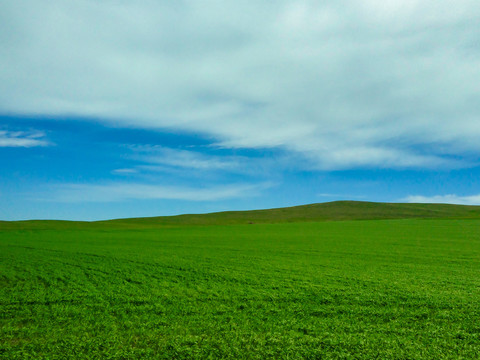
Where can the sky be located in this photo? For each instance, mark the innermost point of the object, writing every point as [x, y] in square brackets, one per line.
[118, 108]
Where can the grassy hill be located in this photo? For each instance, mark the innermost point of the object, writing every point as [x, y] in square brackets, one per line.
[298, 286]
[330, 211]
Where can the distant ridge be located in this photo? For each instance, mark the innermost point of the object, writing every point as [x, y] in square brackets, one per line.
[330, 211]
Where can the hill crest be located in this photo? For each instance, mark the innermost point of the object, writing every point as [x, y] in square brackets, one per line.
[329, 211]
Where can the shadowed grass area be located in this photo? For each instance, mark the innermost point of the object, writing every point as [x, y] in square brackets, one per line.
[387, 289]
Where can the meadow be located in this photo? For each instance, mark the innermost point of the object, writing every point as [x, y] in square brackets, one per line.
[406, 288]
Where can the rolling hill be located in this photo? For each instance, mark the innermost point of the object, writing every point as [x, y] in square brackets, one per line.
[330, 211]
[299, 286]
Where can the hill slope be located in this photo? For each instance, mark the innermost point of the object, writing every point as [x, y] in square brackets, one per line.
[331, 211]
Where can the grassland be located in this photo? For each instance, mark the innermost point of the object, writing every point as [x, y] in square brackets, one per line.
[184, 288]
[332, 211]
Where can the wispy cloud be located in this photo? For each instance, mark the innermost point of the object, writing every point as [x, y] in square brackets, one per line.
[22, 139]
[444, 199]
[200, 162]
[180, 158]
[125, 171]
[346, 84]
[110, 192]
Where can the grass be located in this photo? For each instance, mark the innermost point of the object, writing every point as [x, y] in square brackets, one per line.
[331, 211]
[386, 289]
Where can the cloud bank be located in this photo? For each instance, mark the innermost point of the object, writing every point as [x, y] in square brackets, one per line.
[345, 84]
[445, 199]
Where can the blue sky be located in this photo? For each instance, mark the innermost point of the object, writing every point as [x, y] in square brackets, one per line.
[118, 109]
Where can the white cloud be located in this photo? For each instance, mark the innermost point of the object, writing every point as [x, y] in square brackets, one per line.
[22, 139]
[124, 171]
[444, 199]
[194, 162]
[346, 83]
[186, 158]
[110, 192]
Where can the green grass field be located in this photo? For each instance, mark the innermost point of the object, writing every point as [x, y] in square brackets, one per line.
[179, 288]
